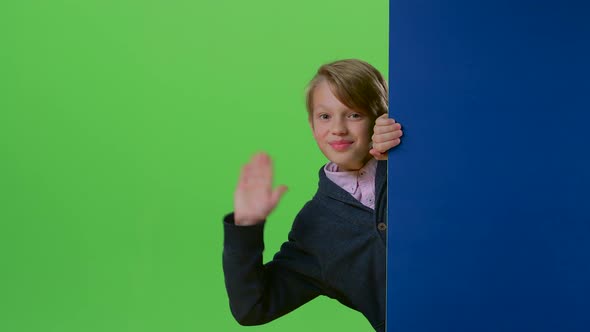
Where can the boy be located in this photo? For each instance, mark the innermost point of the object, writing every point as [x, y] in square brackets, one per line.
[336, 246]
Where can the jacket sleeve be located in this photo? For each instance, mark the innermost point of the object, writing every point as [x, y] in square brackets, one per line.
[259, 293]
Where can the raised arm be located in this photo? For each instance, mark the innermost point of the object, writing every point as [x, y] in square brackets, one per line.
[258, 292]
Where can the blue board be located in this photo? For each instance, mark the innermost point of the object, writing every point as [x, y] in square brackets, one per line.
[489, 192]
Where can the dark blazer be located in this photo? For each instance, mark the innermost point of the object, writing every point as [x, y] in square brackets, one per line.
[336, 248]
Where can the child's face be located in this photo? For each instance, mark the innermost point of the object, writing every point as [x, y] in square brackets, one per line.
[343, 134]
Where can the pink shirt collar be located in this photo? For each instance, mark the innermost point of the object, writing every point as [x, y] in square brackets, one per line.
[360, 184]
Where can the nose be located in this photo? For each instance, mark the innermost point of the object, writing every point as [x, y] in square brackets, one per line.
[338, 127]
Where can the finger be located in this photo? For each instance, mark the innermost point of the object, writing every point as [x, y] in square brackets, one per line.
[266, 170]
[243, 178]
[258, 161]
[384, 121]
[386, 129]
[385, 146]
[382, 117]
[261, 170]
[378, 155]
[277, 194]
[380, 138]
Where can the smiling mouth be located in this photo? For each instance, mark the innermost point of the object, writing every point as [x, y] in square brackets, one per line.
[341, 145]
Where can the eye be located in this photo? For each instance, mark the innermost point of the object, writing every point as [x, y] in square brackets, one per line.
[355, 116]
[323, 116]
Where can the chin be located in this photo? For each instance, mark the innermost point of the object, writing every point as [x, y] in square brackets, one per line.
[349, 166]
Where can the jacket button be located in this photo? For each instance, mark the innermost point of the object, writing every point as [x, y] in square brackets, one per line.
[381, 226]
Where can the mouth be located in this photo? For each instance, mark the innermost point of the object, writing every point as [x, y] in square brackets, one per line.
[340, 145]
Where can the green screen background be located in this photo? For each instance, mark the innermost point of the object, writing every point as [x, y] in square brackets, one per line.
[123, 125]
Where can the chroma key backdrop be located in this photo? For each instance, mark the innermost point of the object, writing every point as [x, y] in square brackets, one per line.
[123, 126]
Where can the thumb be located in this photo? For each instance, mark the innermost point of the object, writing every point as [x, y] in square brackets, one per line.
[277, 194]
[374, 153]
[378, 155]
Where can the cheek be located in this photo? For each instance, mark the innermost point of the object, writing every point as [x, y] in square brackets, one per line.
[316, 135]
[364, 131]
[319, 131]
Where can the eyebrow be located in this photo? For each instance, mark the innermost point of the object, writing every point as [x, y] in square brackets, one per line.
[329, 108]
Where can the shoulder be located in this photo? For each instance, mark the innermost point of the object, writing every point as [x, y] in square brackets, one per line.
[309, 225]
[314, 217]
[310, 211]
[307, 215]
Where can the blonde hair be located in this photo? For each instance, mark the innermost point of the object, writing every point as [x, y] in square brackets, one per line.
[355, 83]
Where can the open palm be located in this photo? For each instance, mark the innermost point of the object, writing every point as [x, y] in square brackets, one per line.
[255, 198]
